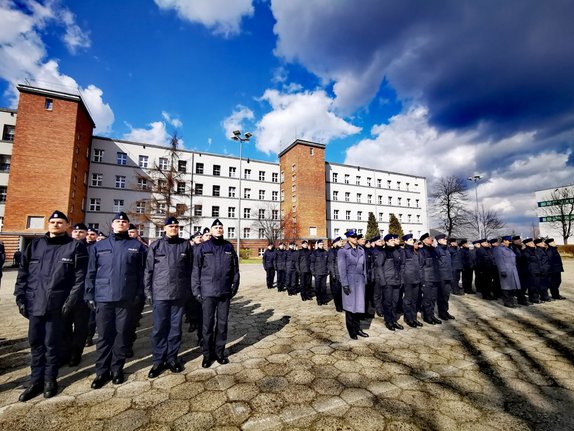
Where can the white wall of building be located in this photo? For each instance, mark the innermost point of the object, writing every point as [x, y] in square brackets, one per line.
[7, 125]
[547, 229]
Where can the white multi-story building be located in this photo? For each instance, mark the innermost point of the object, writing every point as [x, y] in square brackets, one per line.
[7, 127]
[555, 208]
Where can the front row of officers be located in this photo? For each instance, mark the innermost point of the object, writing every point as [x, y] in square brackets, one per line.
[62, 281]
[416, 277]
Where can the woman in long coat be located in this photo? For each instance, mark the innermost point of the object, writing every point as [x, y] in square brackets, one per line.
[352, 264]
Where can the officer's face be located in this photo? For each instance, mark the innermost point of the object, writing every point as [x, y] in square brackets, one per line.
[133, 233]
[427, 241]
[91, 237]
[379, 242]
[217, 231]
[304, 245]
[410, 241]
[361, 241]
[320, 245]
[352, 240]
[206, 237]
[197, 239]
[476, 245]
[171, 230]
[120, 226]
[505, 243]
[79, 234]
[442, 241]
[57, 226]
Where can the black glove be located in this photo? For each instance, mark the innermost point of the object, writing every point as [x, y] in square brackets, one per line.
[233, 292]
[22, 310]
[199, 299]
[149, 301]
[92, 305]
[347, 290]
[503, 274]
[66, 309]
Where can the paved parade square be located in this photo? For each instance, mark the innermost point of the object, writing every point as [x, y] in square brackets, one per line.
[293, 366]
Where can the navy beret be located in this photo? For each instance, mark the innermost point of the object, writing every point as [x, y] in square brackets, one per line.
[351, 233]
[337, 239]
[407, 237]
[80, 226]
[216, 222]
[375, 238]
[91, 229]
[304, 242]
[506, 238]
[440, 236]
[206, 230]
[476, 241]
[132, 227]
[549, 240]
[170, 220]
[424, 236]
[493, 240]
[451, 240]
[516, 238]
[121, 216]
[388, 237]
[58, 214]
[195, 235]
[538, 240]
[527, 240]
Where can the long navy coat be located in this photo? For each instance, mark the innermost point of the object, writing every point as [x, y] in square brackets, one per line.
[505, 260]
[352, 264]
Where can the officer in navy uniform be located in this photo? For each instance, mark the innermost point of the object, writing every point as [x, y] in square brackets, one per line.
[483, 268]
[379, 282]
[334, 281]
[522, 266]
[215, 280]
[167, 284]
[319, 269]
[268, 262]
[114, 288]
[291, 269]
[91, 239]
[76, 322]
[467, 266]
[280, 266]
[431, 279]
[388, 273]
[457, 266]
[556, 268]
[192, 306]
[206, 235]
[544, 278]
[411, 277]
[49, 284]
[304, 270]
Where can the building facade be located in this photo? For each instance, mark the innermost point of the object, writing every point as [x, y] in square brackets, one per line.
[555, 211]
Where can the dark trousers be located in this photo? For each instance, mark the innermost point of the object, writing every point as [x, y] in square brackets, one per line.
[508, 297]
[336, 292]
[455, 283]
[92, 324]
[378, 298]
[166, 331]
[193, 313]
[370, 294]
[390, 299]
[484, 283]
[291, 282]
[555, 282]
[321, 289]
[306, 285]
[114, 322]
[75, 332]
[270, 277]
[429, 299]
[135, 317]
[442, 296]
[495, 282]
[479, 280]
[543, 285]
[280, 280]
[399, 307]
[467, 280]
[411, 295]
[214, 328]
[45, 336]
[353, 323]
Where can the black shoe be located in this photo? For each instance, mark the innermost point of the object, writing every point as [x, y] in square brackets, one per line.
[32, 391]
[89, 341]
[50, 388]
[419, 324]
[559, 297]
[523, 302]
[155, 370]
[411, 324]
[130, 352]
[339, 310]
[509, 305]
[74, 360]
[399, 326]
[445, 316]
[429, 321]
[222, 360]
[535, 301]
[380, 313]
[362, 334]
[390, 326]
[192, 327]
[118, 377]
[175, 366]
[437, 321]
[353, 336]
[101, 380]
[206, 363]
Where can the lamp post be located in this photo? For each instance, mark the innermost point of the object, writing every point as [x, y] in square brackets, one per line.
[241, 139]
[476, 179]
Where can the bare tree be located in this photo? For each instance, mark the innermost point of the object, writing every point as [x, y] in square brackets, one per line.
[487, 223]
[269, 221]
[449, 202]
[558, 211]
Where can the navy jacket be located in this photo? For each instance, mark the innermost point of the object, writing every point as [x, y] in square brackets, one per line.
[280, 259]
[430, 264]
[168, 269]
[484, 259]
[215, 269]
[411, 272]
[332, 263]
[303, 260]
[456, 258]
[466, 258]
[388, 266]
[52, 272]
[555, 259]
[291, 260]
[116, 269]
[269, 259]
[319, 262]
[445, 264]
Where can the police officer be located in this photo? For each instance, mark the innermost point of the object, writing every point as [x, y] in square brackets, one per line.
[269, 264]
[304, 270]
[457, 266]
[379, 281]
[533, 270]
[522, 266]
[215, 280]
[493, 274]
[50, 282]
[91, 239]
[76, 323]
[388, 270]
[319, 269]
[544, 277]
[411, 277]
[445, 269]
[114, 284]
[192, 306]
[484, 265]
[134, 233]
[556, 268]
[505, 260]
[334, 280]
[467, 266]
[206, 235]
[167, 284]
[291, 269]
[431, 279]
[352, 265]
[280, 266]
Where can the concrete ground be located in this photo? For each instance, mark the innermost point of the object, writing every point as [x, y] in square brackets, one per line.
[294, 367]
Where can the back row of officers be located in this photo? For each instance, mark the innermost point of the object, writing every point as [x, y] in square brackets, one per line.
[69, 286]
[415, 276]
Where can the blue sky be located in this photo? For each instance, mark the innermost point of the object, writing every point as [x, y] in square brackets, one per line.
[426, 88]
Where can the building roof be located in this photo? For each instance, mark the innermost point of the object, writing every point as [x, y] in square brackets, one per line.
[301, 142]
[11, 111]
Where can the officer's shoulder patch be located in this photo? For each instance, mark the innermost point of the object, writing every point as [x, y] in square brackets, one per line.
[134, 250]
[67, 260]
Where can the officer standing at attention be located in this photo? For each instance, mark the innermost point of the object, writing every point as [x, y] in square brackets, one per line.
[319, 268]
[457, 266]
[334, 280]
[91, 239]
[544, 277]
[167, 284]
[445, 269]
[50, 282]
[352, 264]
[280, 266]
[268, 261]
[114, 283]
[291, 269]
[192, 306]
[411, 277]
[215, 280]
[388, 270]
[431, 279]
[505, 260]
[556, 268]
[304, 270]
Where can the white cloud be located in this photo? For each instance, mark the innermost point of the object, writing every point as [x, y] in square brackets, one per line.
[307, 115]
[23, 56]
[155, 134]
[74, 38]
[236, 121]
[221, 16]
[175, 122]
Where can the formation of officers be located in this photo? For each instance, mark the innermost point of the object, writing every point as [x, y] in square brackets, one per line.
[408, 277]
[69, 286]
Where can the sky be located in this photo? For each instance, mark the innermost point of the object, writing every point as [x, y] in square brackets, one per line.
[448, 87]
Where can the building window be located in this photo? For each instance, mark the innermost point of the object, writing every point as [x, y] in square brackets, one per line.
[163, 165]
[231, 192]
[35, 222]
[141, 229]
[335, 175]
[379, 183]
[181, 187]
[140, 207]
[369, 199]
[199, 168]
[143, 161]
[93, 226]
[216, 191]
[232, 172]
[409, 218]
[246, 232]
[246, 193]
[275, 214]
[98, 156]
[418, 218]
[122, 159]
[247, 174]
[214, 211]
[368, 181]
[198, 210]
[347, 196]
[408, 202]
[358, 182]
[216, 170]
[407, 184]
[261, 175]
[312, 151]
[181, 165]
[158, 231]
[261, 195]
[399, 199]
[336, 232]
[359, 215]
[95, 204]
[118, 205]
[346, 178]
[3, 192]
[230, 232]
[400, 217]
[48, 104]
[120, 182]
[335, 214]
[261, 233]
[359, 197]
[398, 185]
[360, 231]
[246, 212]
[274, 177]
[161, 207]
[282, 176]
[347, 215]
[231, 212]
[380, 216]
[180, 209]
[335, 195]
[417, 201]
[97, 180]
[5, 163]
[8, 133]
[294, 187]
[293, 167]
[261, 214]
[282, 195]
[388, 184]
[390, 200]
[143, 184]
[199, 189]
[274, 195]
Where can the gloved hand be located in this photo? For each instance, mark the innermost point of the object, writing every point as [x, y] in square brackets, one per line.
[347, 290]
[149, 301]
[92, 305]
[503, 274]
[199, 299]
[233, 292]
[66, 309]
[22, 310]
